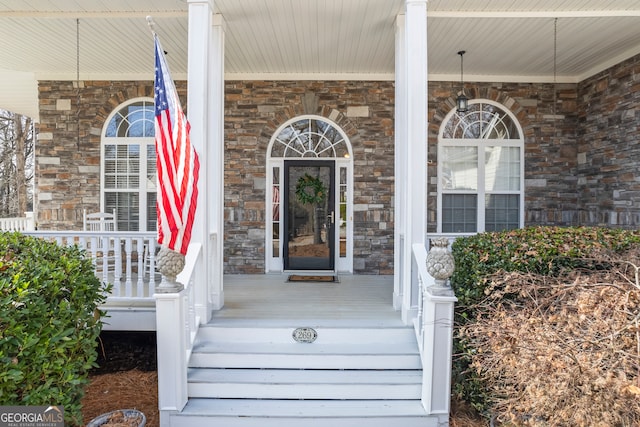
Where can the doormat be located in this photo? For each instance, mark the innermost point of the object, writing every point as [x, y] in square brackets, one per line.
[301, 278]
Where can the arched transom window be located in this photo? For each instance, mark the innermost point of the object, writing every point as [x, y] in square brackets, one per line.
[310, 137]
[128, 178]
[480, 170]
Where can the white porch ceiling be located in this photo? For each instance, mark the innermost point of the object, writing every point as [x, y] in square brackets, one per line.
[505, 40]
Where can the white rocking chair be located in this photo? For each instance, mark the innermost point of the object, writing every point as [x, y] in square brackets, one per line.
[102, 248]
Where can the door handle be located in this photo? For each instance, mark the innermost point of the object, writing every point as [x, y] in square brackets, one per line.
[331, 217]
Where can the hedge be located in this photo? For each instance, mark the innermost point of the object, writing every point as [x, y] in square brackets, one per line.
[49, 323]
[537, 250]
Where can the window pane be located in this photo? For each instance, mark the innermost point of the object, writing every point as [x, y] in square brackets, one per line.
[460, 168]
[275, 213]
[459, 213]
[152, 173]
[502, 212]
[342, 212]
[152, 213]
[502, 168]
[126, 206]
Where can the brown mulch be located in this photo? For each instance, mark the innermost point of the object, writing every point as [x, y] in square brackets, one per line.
[122, 390]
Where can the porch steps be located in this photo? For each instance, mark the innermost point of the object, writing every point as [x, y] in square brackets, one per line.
[250, 376]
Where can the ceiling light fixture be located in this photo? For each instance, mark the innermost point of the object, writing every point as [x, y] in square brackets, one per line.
[462, 102]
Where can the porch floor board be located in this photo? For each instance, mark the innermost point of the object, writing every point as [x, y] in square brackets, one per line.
[356, 300]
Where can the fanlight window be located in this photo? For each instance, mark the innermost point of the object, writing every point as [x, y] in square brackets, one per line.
[133, 120]
[310, 137]
[481, 121]
[129, 166]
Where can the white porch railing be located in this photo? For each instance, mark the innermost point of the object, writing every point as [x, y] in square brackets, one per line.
[177, 324]
[25, 223]
[124, 259]
[434, 331]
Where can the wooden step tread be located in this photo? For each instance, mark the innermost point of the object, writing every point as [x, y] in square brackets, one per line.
[307, 376]
[307, 349]
[325, 335]
[305, 408]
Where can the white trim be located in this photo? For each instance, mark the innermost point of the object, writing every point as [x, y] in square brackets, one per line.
[490, 14]
[401, 258]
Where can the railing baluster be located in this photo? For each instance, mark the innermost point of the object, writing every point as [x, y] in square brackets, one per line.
[140, 267]
[151, 245]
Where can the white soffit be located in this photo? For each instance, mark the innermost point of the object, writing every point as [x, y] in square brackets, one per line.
[19, 93]
[505, 40]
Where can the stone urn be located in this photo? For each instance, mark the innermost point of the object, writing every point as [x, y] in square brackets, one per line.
[440, 262]
[170, 263]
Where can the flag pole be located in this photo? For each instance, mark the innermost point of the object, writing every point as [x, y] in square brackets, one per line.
[178, 168]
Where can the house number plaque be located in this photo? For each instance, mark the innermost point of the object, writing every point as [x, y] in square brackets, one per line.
[306, 335]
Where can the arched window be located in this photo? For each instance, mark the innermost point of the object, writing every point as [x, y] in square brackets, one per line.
[480, 170]
[128, 179]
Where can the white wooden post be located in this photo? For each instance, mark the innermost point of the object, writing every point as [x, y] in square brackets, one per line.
[172, 357]
[437, 350]
[214, 258]
[400, 199]
[416, 94]
[199, 46]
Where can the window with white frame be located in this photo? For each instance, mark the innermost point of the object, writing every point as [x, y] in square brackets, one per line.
[128, 180]
[480, 170]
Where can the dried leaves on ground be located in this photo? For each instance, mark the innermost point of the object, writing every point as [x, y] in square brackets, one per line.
[559, 351]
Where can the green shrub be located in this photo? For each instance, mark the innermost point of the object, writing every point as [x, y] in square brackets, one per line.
[49, 323]
[538, 250]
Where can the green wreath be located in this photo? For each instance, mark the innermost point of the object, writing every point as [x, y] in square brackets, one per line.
[310, 190]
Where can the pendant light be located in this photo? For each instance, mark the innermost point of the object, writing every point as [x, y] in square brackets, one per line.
[462, 102]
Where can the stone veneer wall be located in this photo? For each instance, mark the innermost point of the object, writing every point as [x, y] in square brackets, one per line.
[253, 112]
[581, 152]
[67, 171]
[608, 172]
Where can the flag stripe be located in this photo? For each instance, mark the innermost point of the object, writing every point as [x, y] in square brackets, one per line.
[177, 162]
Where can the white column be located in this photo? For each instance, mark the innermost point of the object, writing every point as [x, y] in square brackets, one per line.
[216, 162]
[416, 214]
[199, 46]
[400, 166]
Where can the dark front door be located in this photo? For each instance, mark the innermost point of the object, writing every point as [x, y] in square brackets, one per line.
[309, 215]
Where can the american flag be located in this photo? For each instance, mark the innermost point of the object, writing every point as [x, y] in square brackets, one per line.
[177, 162]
